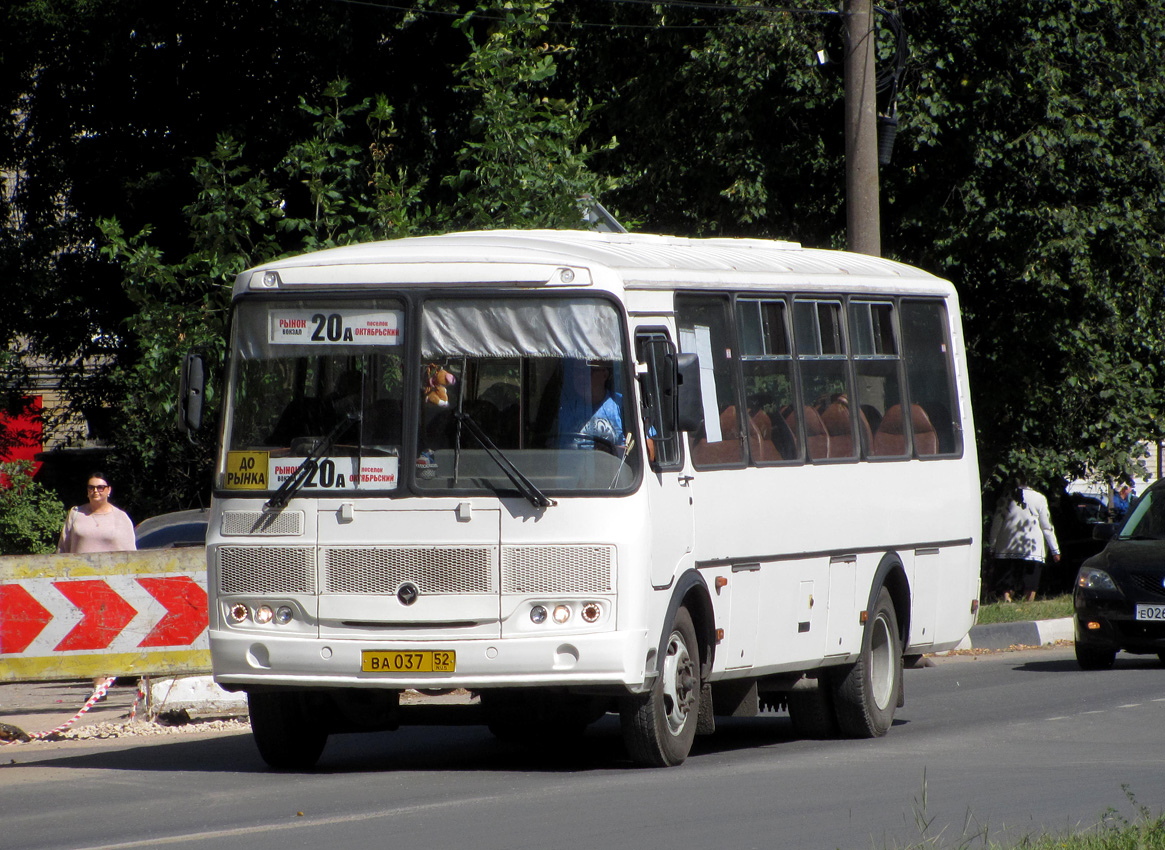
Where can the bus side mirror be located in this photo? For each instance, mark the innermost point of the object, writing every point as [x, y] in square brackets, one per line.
[191, 391]
[689, 404]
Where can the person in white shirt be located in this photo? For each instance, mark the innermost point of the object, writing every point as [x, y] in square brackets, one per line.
[1020, 541]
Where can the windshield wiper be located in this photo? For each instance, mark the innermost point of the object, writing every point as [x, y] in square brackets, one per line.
[525, 486]
[306, 469]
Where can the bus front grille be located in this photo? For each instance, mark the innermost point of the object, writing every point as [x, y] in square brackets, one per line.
[267, 569]
[239, 523]
[434, 570]
[558, 569]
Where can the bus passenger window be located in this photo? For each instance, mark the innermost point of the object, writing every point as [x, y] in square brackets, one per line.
[878, 382]
[820, 344]
[930, 378]
[769, 390]
[705, 329]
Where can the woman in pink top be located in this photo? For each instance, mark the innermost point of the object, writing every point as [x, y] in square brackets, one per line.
[97, 526]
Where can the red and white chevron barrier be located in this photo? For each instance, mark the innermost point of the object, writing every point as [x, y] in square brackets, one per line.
[77, 616]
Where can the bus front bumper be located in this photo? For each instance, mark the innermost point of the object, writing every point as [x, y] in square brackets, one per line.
[594, 660]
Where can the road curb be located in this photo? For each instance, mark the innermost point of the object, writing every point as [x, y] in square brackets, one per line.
[1028, 633]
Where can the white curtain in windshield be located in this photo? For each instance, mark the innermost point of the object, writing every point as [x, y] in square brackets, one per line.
[528, 327]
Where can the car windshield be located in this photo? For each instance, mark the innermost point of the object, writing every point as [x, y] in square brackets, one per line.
[1147, 520]
[542, 380]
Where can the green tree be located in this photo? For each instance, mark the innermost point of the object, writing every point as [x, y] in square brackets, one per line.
[30, 515]
[524, 162]
[1029, 170]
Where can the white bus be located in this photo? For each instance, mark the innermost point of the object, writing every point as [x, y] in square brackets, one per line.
[577, 473]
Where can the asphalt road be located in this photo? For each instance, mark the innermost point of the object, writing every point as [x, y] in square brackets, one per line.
[1012, 743]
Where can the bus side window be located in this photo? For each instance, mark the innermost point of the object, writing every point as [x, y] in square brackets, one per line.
[878, 379]
[824, 367]
[930, 378]
[769, 389]
[705, 329]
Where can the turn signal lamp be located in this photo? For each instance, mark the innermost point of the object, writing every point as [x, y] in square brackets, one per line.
[239, 612]
[591, 612]
[1093, 626]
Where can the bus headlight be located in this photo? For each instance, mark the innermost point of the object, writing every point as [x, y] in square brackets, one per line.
[283, 615]
[561, 614]
[264, 614]
[537, 615]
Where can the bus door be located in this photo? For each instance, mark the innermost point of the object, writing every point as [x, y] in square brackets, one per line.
[668, 486]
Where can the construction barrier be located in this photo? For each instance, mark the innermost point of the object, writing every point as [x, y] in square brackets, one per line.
[108, 614]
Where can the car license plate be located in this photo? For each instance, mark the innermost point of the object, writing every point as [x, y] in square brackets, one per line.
[409, 661]
[1150, 612]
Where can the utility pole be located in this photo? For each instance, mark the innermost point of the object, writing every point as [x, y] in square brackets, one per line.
[863, 219]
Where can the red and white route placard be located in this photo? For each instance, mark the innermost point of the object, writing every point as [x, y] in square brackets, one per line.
[117, 613]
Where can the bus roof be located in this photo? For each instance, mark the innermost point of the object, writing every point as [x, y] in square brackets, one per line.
[539, 257]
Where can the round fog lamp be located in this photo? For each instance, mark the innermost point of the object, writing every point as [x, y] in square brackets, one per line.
[239, 612]
[263, 614]
[591, 612]
[561, 613]
[283, 615]
[537, 615]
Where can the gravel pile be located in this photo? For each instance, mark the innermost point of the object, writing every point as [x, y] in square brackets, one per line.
[142, 728]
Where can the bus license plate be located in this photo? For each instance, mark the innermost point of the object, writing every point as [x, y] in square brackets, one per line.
[1150, 612]
[409, 661]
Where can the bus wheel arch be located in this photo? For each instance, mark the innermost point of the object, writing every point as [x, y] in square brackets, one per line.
[866, 693]
[660, 725]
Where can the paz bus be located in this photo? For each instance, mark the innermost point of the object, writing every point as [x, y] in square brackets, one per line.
[580, 473]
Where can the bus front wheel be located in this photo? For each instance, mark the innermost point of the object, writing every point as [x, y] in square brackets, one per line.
[287, 733]
[866, 694]
[659, 726]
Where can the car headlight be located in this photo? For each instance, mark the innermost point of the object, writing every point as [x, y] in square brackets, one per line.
[1093, 579]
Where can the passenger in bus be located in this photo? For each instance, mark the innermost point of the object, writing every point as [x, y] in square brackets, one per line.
[590, 412]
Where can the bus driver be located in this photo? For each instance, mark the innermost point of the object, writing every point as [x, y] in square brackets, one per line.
[590, 413]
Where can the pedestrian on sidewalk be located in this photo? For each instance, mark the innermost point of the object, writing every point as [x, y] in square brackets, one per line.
[97, 526]
[1021, 538]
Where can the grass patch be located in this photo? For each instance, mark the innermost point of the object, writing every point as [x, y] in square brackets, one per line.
[1114, 831]
[1016, 612]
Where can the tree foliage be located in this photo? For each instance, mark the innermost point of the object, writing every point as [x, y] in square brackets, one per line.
[30, 516]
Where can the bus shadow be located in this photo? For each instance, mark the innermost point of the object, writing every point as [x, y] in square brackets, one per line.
[418, 749]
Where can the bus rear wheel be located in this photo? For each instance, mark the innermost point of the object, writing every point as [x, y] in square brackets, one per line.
[866, 694]
[288, 734]
[659, 726]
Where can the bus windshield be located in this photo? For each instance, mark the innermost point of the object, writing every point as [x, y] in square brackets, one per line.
[506, 391]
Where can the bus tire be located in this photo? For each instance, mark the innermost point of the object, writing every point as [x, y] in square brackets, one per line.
[659, 726]
[865, 695]
[287, 734]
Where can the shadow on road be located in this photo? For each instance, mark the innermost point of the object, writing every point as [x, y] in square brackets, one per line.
[419, 748]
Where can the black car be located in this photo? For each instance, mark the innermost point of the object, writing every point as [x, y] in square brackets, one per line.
[1119, 597]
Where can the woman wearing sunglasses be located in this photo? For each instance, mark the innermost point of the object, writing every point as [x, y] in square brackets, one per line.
[97, 526]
